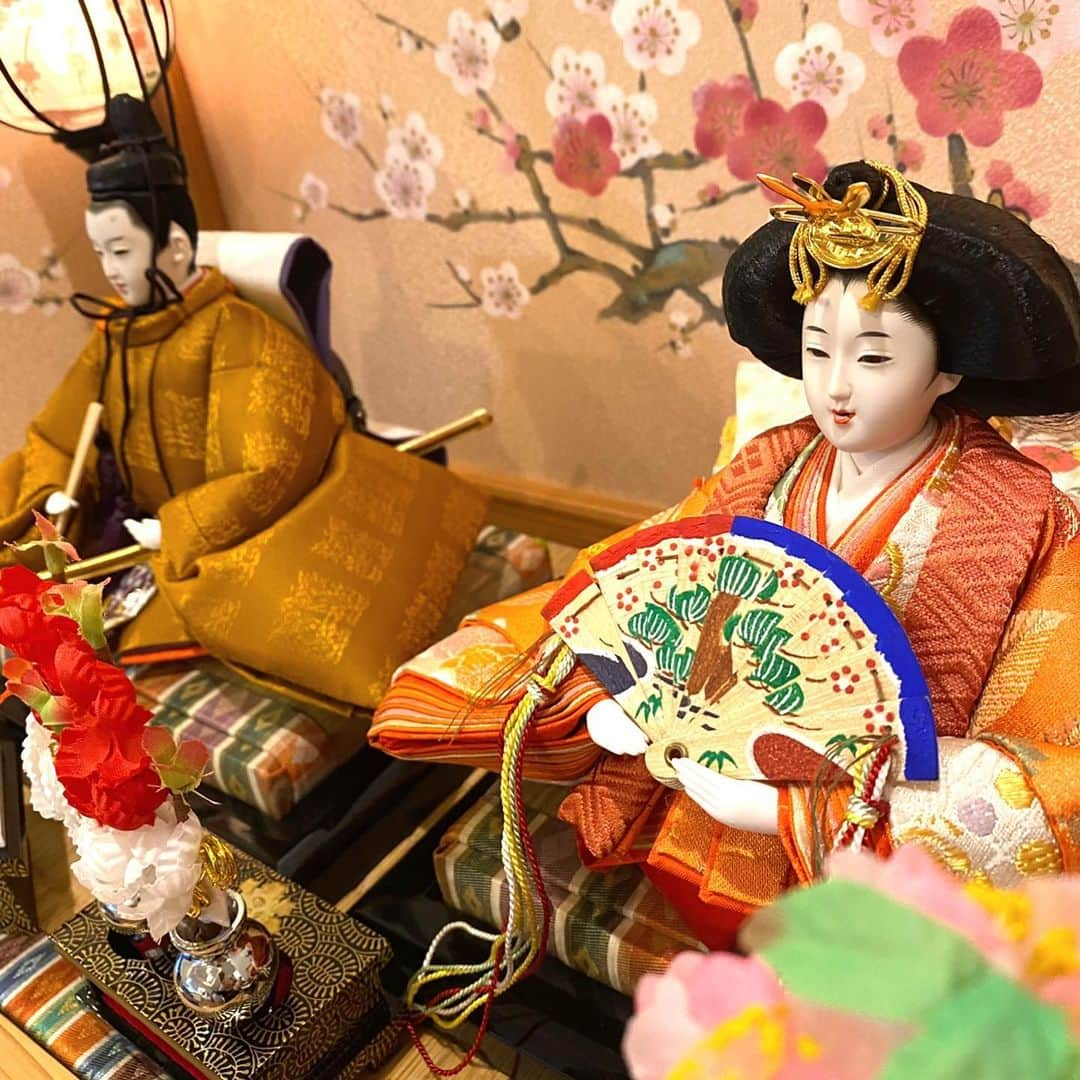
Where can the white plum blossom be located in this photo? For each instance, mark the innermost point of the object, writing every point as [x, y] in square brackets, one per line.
[19, 285]
[679, 319]
[404, 184]
[889, 22]
[341, 117]
[387, 107]
[463, 199]
[418, 143]
[576, 82]
[632, 118]
[594, 7]
[46, 792]
[505, 12]
[461, 272]
[503, 294]
[655, 33]
[149, 872]
[818, 69]
[314, 192]
[1044, 29]
[468, 58]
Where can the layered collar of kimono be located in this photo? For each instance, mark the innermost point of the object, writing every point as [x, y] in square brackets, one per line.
[154, 326]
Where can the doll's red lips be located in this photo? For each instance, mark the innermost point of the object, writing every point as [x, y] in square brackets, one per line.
[842, 416]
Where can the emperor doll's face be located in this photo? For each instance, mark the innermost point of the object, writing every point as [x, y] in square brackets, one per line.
[870, 377]
[125, 247]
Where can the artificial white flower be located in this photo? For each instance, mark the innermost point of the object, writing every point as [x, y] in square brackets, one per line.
[632, 118]
[341, 117]
[19, 285]
[819, 69]
[655, 33]
[404, 184]
[46, 792]
[314, 191]
[503, 295]
[417, 142]
[149, 873]
[576, 82]
[468, 58]
[463, 199]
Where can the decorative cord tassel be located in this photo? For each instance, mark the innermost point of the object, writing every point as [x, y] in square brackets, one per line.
[520, 946]
[866, 807]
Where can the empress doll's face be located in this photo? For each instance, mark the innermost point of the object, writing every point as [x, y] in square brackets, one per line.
[125, 248]
[870, 377]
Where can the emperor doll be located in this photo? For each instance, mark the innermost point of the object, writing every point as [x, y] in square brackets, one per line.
[283, 542]
[911, 316]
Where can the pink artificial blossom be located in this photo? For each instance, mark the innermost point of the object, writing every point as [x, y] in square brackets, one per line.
[719, 109]
[878, 127]
[967, 82]
[584, 157]
[910, 155]
[779, 141]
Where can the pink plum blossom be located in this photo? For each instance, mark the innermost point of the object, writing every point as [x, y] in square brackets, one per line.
[341, 118]
[19, 286]
[584, 157]
[890, 22]
[966, 82]
[779, 141]
[719, 108]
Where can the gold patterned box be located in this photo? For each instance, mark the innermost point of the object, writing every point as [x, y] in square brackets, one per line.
[334, 1021]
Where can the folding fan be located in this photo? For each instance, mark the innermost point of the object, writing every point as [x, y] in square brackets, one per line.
[747, 647]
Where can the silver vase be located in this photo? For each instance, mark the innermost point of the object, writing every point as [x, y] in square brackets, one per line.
[118, 920]
[224, 972]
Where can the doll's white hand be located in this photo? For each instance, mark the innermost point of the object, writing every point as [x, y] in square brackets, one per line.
[146, 532]
[611, 728]
[742, 804]
[58, 503]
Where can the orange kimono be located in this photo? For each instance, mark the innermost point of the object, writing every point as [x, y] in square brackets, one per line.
[978, 555]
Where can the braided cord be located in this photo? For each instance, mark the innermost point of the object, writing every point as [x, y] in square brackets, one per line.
[515, 951]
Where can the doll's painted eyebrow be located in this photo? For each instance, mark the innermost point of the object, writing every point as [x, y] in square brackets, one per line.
[872, 333]
[819, 329]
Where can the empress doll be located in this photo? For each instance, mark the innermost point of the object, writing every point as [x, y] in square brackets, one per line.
[284, 543]
[907, 327]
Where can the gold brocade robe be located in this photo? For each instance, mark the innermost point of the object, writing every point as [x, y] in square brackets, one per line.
[291, 546]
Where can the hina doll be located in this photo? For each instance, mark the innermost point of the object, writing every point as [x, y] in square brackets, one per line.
[283, 542]
[907, 327]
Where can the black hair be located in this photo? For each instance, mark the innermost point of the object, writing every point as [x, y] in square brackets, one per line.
[1002, 303]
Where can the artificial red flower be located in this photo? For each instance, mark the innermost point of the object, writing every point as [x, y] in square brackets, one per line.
[584, 158]
[967, 82]
[95, 690]
[129, 801]
[27, 631]
[779, 141]
[719, 108]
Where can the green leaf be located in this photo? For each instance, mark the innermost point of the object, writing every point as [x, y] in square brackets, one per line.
[731, 626]
[769, 589]
[774, 671]
[846, 946]
[739, 576]
[991, 1028]
[665, 659]
[757, 626]
[715, 759]
[684, 661]
[786, 700]
[692, 605]
[655, 626]
[773, 642]
[181, 768]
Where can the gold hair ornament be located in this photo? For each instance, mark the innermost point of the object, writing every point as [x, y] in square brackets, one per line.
[844, 235]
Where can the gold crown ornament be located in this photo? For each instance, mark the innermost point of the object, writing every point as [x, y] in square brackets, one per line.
[843, 234]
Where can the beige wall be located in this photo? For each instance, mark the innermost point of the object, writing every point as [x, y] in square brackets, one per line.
[582, 400]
